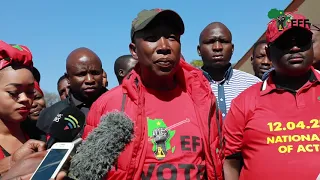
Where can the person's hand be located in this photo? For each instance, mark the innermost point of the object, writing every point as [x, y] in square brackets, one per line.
[24, 168]
[61, 176]
[30, 147]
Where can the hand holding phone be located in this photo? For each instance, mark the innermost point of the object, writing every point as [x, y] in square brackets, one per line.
[53, 161]
[30, 147]
[24, 168]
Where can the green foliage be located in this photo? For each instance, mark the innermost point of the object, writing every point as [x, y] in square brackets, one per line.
[274, 13]
[197, 63]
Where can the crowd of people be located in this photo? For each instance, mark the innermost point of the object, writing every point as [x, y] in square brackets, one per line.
[213, 122]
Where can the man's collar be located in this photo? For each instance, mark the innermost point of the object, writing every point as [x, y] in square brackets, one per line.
[77, 102]
[269, 85]
[266, 74]
[227, 75]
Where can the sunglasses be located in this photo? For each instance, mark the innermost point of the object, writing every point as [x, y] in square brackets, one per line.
[299, 38]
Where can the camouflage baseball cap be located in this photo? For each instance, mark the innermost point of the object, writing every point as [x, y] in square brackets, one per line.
[146, 16]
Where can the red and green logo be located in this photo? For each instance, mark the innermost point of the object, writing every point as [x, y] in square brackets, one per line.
[281, 18]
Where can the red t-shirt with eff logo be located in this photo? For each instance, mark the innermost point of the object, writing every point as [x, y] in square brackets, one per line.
[175, 149]
[276, 131]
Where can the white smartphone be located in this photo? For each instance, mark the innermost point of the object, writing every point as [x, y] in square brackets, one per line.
[53, 161]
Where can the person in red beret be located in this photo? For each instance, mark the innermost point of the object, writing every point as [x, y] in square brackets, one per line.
[16, 94]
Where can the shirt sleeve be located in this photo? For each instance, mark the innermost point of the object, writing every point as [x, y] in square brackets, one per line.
[233, 129]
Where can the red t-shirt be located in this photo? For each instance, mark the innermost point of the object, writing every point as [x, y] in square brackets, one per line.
[276, 131]
[175, 144]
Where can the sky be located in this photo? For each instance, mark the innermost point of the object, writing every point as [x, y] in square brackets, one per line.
[52, 29]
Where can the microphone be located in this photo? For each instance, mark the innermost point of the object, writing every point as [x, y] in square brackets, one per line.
[97, 154]
[66, 126]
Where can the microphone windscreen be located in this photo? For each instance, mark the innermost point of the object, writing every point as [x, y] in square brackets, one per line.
[97, 154]
[67, 124]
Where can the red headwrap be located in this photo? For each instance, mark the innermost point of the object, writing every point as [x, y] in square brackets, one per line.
[37, 87]
[14, 54]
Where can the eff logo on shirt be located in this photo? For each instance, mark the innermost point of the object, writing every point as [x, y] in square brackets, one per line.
[161, 135]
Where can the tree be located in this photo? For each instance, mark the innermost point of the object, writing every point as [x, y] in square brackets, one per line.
[51, 98]
[197, 63]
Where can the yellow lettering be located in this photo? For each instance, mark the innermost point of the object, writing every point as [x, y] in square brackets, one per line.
[296, 138]
[285, 138]
[315, 137]
[282, 149]
[309, 148]
[270, 140]
[305, 137]
[301, 148]
[278, 139]
[292, 138]
[290, 148]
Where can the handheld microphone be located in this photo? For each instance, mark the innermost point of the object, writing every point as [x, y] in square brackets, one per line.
[66, 126]
[97, 154]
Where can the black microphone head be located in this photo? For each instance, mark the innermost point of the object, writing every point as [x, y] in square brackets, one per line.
[97, 154]
[67, 124]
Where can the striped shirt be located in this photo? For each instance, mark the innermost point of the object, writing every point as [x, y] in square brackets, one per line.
[234, 82]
